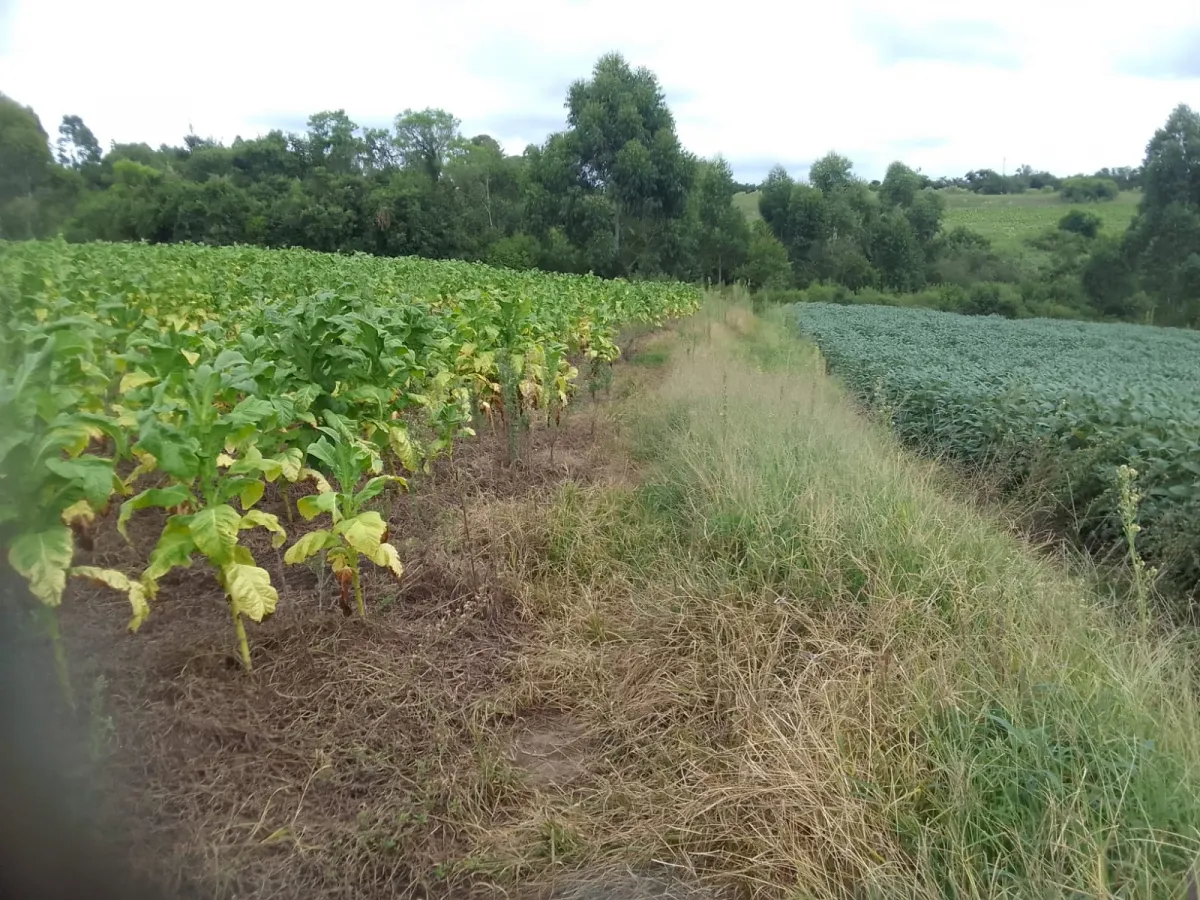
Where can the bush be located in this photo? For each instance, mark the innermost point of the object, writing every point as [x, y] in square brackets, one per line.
[1079, 221]
[1089, 190]
[990, 299]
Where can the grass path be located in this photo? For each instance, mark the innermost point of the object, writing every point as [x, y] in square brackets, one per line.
[785, 659]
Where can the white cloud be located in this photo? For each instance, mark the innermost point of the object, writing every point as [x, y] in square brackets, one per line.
[938, 83]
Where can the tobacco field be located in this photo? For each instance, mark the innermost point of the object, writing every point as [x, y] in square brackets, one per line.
[187, 379]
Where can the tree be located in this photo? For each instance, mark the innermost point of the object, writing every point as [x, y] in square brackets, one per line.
[490, 182]
[76, 144]
[332, 142]
[766, 264]
[897, 253]
[831, 172]
[25, 168]
[621, 136]
[1163, 241]
[426, 139]
[1171, 171]
[900, 185]
[722, 231]
[925, 213]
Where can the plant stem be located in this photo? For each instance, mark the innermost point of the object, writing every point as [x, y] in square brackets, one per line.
[358, 594]
[60, 655]
[287, 503]
[243, 644]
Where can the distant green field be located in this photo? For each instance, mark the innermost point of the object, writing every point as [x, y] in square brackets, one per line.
[748, 204]
[1010, 219]
[1007, 220]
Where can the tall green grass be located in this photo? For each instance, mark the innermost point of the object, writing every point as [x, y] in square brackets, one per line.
[803, 667]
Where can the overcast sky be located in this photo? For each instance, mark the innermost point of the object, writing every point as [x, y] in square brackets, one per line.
[946, 85]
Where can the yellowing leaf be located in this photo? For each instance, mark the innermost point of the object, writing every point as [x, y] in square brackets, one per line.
[291, 464]
[214, 529]
[323, 486]
[251, 494]
[313, 505]
[119, 581]
[388, 557]
[191, 357]
[249, 590]
[256, 518]
[309, 545]
[365, 532]
[79, 513]
[131, 381]
[405, 449]
[146, 463]
[42, 559]
[224, 460]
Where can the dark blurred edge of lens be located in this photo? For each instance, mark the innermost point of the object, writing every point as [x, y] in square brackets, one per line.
[47, 849]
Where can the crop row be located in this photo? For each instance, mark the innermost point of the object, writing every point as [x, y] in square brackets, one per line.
[187, 378]
[1067, 401]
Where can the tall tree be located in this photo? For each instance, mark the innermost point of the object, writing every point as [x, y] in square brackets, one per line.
[622, 136]
[831, 172]
[426, 139]
[900, 185]
[1164, 238]
[333, 142]
[723, 233]
[25, 167]
[77, 145]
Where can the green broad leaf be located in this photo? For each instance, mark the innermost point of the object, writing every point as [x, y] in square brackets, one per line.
[249, 590]
[323, 450]
[313, 505]
[309, 545]
[364, 532]
[375, 486]
[42, 559]
[119, 581]
[178, 459]
[215, 530]
[174, 550]
[254, 461]
[94, 476]
[251, 411]
[163, 498]
[227, 359]
[259, 519]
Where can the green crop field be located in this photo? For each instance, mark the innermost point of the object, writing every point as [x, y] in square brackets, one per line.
[1086, 397]
[187, 378]
[747, 204]
[1008, 220]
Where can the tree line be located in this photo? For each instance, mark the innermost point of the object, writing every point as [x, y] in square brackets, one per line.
[614, 193]
[843, 239]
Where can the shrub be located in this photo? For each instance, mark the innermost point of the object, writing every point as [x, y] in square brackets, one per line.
[1079, 221]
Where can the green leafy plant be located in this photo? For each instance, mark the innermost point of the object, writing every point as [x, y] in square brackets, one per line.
[355, 531]
[191, 438]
